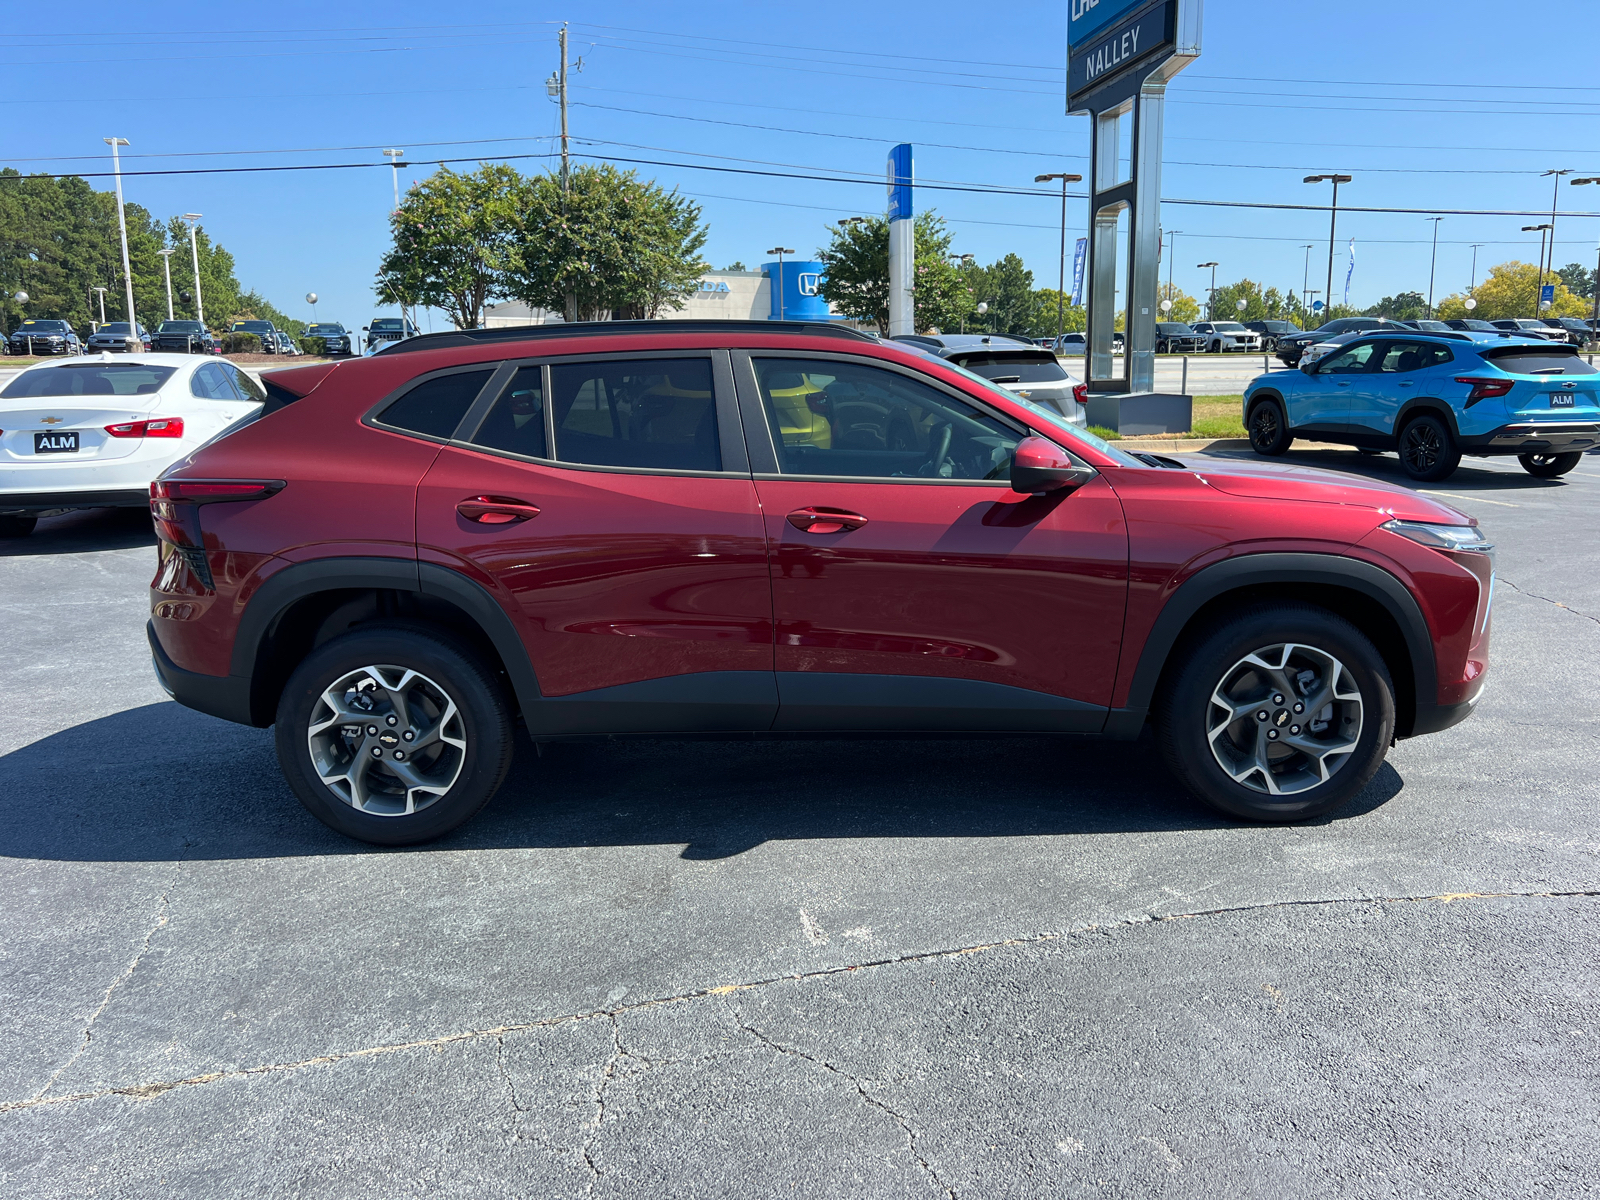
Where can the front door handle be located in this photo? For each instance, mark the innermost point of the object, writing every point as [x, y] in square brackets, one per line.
[1344, 383]
[825, 520]
[1406, 383]
[496, 510]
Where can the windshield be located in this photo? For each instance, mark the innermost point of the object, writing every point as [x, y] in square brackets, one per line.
[1174, 329]
[1054, 422]
[108, 379]
[1230, 327]
[37, 326]
[1014, 368]
[385, 324]
[181, 327]
[324, 330]
[115, 327]
[252, 326]
[1432, 326]
[1484, 326]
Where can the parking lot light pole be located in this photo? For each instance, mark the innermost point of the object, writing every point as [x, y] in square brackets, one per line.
[193, 220]
[1211, 297]
[1594, 284]
[1433, 262]
[1476, 246]
[166, 267]
[1061, 295]
[122, 224]
[1555, 195]
[102, 294]
[1539, 291]
[1172, 261]
[1333, 220]
[1305, 280]
[394, 157]
[780, 252]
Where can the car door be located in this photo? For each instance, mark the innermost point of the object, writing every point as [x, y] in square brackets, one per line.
[1321, 404]
[912, 588]
[607, 505]
[1400, 372]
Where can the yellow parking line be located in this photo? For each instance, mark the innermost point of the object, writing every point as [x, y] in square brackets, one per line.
[1473, 499]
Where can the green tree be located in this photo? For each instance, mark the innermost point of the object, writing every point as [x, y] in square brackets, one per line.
[857, 278]
[1512, 290]
[1579, 280]
[1184, 307]
[736, 265]
[1407, 306]
[610, 242]
[1047, 306]
[453, 242]
[1006, 286]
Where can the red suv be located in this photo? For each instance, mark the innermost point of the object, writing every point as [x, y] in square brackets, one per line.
[691, 528]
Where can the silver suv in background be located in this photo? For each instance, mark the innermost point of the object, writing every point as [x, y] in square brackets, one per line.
[1222, 336]
[1014, 363]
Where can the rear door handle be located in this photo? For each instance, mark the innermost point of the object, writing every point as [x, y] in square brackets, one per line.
[825, 520]
[496, 510]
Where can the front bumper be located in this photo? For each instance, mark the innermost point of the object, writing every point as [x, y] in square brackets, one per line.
[1536, 437]
[35, 504]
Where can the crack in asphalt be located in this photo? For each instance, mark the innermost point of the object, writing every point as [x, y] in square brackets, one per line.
[1557, 603]
[600, 1088]
[146, 1091]
[861, 1089]
[162, 908]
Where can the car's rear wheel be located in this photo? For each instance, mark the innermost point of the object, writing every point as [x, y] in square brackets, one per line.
[17, 527]
[1428, 453]
[1268, 428]
[1281, 713]
[393, 734]
[1548, 466]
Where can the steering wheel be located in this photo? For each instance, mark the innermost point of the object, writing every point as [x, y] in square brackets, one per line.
[938, 449]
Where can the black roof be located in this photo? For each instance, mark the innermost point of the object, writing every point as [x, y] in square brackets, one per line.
[565, 329]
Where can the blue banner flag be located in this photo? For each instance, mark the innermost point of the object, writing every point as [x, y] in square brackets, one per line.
[1077, 270]
[1350, 272]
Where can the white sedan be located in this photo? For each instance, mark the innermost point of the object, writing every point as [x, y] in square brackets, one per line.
[93, 432]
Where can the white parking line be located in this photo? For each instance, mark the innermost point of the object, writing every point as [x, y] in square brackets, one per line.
[1473, 499]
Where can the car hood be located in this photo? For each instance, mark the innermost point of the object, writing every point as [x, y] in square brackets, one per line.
[1317, 485]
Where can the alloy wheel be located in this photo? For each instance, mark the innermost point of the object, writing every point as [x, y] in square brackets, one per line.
[386, 740]
[1284, 719]
[1423, 447]
[1264, 425]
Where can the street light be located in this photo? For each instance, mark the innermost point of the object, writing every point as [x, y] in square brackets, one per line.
[1172, 261]
[1061, 295]
[1555, 193]
[166, 267]
[1305, 280]
[1595, 284]
[1476, 246]
[1211, 297]
[102, 293]
[1333, 219]
[1538, 296]
[1433, 261]
[780, 251]
[848, 221]
[394, 157]
[122, 224]
[193, 220]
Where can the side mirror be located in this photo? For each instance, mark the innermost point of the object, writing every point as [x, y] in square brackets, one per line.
[1039, 465]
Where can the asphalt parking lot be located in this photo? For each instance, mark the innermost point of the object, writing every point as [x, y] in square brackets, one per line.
[998, 968]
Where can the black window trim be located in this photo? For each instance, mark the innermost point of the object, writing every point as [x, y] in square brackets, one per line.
[730, 431]
[374, 415]
[763, 451]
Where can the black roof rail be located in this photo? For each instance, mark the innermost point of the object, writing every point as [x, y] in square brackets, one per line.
[563, 329]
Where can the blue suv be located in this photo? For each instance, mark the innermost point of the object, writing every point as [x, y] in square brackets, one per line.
[1434, 397]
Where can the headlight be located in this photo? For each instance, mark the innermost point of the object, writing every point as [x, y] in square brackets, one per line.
[1452, 538]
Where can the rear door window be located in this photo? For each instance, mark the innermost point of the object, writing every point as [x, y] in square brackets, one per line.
[435, 406]
[1404, 357]
[516, 422]
[658, 413]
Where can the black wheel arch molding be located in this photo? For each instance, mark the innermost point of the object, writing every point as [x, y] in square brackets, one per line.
[1431, 405]
[1275, 573]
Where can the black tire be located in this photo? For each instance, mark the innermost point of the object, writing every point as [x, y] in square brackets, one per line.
[1549, 466]
[1428, 453]
[17, 527]
[471, 773]
[1186, 715]
[1268, 428]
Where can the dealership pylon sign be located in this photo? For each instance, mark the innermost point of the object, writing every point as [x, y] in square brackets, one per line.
[1120, 56]
[902, 242]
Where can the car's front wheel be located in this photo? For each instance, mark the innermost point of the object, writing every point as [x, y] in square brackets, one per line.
[1268, 429]
[393, 734]
[1280, 713]
[1548, 466]
[1428, 453]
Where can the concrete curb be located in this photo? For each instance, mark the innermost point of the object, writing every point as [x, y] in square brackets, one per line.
[1199, 445]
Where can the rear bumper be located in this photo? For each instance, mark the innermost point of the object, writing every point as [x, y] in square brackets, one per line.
[1434, 717]
[224, 696]
[35, 503]
[1535, 437]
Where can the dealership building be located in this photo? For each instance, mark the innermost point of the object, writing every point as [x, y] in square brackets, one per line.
[722, 296]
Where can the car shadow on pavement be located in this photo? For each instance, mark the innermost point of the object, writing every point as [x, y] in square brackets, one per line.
[84, 531]
[163, 783]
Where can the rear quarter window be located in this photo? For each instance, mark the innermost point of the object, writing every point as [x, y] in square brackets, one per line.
[435, 406]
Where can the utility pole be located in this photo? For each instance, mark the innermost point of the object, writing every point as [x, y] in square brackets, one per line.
[564, 165]
[122, 224]
[1432, 262]
[193, 220]
[1333, 220]
[166, 266]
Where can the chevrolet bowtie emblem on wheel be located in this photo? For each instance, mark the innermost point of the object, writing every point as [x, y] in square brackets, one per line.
[51, 420]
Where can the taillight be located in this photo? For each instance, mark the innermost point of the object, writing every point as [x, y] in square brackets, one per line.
[1484, 388]
[1080, 393]
[161, 427]
[175, 508]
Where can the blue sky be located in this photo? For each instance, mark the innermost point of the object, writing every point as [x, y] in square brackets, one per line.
[1428, 105]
